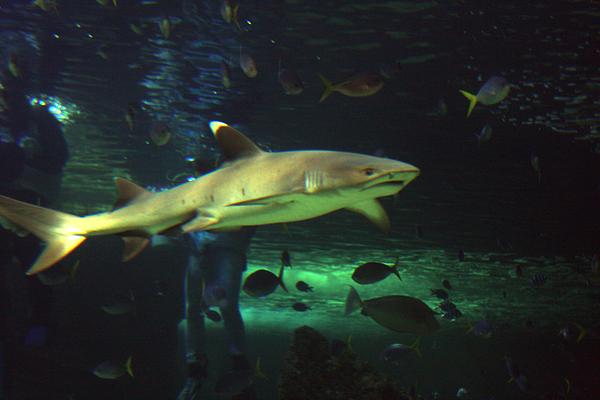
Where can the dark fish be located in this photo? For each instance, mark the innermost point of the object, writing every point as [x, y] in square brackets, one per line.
[572, 332]
[482, 328]
[397, 352]
[451, 312]
[519, 270]
[446, 284]
[289, 80]
[515, 374]
[418, 232]
[113, 370]
[362, 85]
[538, 279]
[504, 244]
[225, 75]
[398, 313]
[286, 259]
[130, 116]
[461, 255]
[212, 315]
[439, 293]
[160, 134]
[248, 64]
[373, 272]
[263, 282]
[299, 306]
[339, 347]
[303, 286]
[234, 382]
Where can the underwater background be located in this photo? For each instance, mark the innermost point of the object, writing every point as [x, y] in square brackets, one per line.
[480, 215]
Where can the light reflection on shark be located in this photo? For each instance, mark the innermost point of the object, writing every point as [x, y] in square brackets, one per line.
[252, 188]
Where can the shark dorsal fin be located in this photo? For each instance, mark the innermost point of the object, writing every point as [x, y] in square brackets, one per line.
[128, 191]
[233, 143]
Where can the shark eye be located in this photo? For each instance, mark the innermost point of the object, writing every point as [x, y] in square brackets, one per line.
[369, 171]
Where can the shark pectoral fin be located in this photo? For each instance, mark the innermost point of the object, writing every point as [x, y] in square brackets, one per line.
[127, 192]
[374, 213]
[133, 246]
[55, 250]
[199, 223]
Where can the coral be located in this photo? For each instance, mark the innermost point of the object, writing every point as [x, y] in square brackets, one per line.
[313, 372]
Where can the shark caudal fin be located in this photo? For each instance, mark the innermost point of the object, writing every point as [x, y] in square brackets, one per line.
[329, 88]
[62, 232]
[472, 100]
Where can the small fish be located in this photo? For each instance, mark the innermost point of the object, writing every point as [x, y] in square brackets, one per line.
[121, 307]
[493, 91]
[165, 27]
[340, 347]
[229, 12]
[397, 352]
[130, 116]
[462, 393]
[537, 279]
[248, 64]
[14, 65]
[299, 306]
[535, 164]
[136, 29]
[390, 70]
[373, 272]
[594, 264]
[519, 270]
[113, 370]
[59, 275]
[515, 374]
[418, 232]
[461, 255]
[212, 315]
[47, 5]
[263, 282]
[362, 85]
[504, 244]
[225, 75]
[160, 134]
[159, 287]
[482, 328]
[102, 51]
[286, 259]
[235, 381]
[451, 312]
[397, 313]
[303, 286]
[289, 80]
[439, 293]
[569, 334]
[446, 284]
[484, 135]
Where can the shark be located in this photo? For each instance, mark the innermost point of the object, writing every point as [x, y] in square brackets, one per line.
[253, 187]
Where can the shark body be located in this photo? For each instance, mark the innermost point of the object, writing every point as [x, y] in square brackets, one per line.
[253, 188]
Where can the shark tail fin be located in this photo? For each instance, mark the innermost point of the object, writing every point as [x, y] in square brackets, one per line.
[62, 232]
[280, 278]
[329, 88]
[353, 302]
[472, 100]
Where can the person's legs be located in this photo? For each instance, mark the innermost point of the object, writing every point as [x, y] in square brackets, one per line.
[195, 358]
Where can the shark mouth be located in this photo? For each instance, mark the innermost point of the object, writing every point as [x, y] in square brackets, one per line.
[392, 180]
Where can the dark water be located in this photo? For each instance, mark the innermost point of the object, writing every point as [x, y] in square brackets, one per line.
[468, 196]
